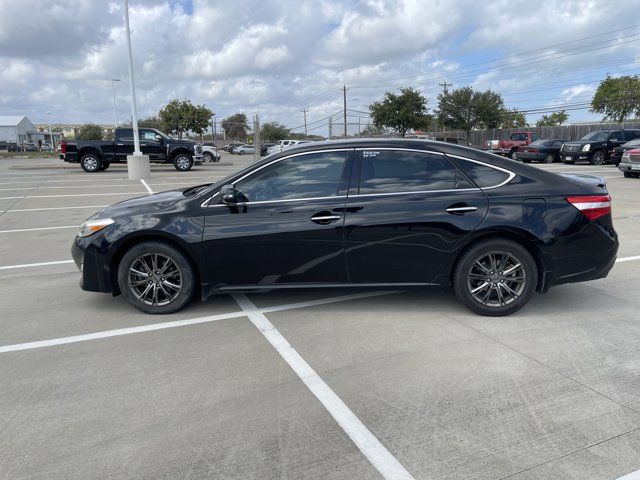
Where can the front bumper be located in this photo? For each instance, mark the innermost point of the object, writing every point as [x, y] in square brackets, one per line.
[96, 276]
[629, 167]
[198, 159]
[575, 156]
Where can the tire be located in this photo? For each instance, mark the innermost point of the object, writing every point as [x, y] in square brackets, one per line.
[549, 159]
[104, 166]
[241, 152]
[183, 162]
[209, 157]
[526, 160]
[598, 158]
[494, 299]
[155, 296]
[90, 163]
[631, 175]
[512, 154]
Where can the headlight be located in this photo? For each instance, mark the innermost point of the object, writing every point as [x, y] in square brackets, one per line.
[626, 157]
[92, 226]
[562, 147]
[586, 148]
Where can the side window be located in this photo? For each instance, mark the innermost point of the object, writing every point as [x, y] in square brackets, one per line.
[482, 175]
[558, 143]
[397, 171]
[535, 137]
[124, 135]
[305, 176]
[631, 134]
[616, 135]
[148, 135]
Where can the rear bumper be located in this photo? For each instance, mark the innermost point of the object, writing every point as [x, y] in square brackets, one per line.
[530, 156]
[69, 157]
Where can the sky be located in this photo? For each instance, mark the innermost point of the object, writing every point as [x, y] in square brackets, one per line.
[280, 57]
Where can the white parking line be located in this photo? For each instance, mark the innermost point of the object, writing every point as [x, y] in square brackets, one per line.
[19, 230]
[146, 185]
[73, 195]
[631, 476]
[42, 264]
[51, 208]
[388, 466]
[628, 259]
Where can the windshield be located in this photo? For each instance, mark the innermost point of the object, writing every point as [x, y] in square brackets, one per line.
[598, 136]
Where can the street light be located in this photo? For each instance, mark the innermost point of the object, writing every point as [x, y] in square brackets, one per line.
[137, 164]
[53, 144]
[115, 109]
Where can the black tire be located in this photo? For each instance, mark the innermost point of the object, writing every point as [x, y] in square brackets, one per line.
[512, 154]
[90, 162]
[104, 166]
[183, 162]
[631, 175]
[468, 275]
[549, 159]
[526, 160]
[127, 280]
[241, 152]
[208, 156]
[598, 158]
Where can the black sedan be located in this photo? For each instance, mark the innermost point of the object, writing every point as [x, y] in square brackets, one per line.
[547, 151]
[359, 213]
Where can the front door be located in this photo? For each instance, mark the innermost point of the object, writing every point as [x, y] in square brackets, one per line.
[285, 226]
[150, 145]
[406, 211]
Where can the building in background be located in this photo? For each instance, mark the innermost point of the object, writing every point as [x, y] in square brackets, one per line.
[19, 129]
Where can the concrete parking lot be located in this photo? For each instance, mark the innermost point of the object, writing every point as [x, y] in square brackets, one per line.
[314, 384]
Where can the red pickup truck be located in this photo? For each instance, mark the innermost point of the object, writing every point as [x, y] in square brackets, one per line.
[510, 147]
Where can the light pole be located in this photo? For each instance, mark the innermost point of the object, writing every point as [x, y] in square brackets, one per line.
[53, 144]
[115, 109]
[137, 164]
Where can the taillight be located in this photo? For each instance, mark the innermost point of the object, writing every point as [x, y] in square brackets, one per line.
[63, 147]
[592, 206]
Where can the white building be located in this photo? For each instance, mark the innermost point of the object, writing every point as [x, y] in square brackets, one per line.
[19, 129]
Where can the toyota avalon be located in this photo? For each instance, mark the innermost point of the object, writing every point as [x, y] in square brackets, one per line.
[362, 213]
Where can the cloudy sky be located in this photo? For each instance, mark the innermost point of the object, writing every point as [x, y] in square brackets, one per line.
[278, 57]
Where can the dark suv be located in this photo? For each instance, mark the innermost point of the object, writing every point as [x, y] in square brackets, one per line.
[596, 147]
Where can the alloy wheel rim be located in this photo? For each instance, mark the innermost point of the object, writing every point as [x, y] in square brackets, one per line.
[598, 158]
[496, 279]
[155, 279]
[183, 162]
[91, 163]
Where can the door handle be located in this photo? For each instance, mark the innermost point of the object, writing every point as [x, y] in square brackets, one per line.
[324, 218]
[461, 209]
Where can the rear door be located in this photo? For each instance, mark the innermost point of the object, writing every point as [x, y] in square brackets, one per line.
[406, 211]
[123, 144]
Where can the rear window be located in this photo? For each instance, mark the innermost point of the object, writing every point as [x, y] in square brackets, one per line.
[482, 175]
[541, 143]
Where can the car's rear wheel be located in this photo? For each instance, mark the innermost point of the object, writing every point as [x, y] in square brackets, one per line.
[90, 163]
[598, 158]
[549, 159]
[156, 278]
[513, 154]
[495, 277]
[183, 162]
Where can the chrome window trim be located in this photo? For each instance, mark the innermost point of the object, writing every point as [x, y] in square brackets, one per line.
[261, 202]
[205, 204]
[503, 170]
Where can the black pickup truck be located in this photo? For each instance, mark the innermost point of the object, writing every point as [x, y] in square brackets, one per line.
[97, 155]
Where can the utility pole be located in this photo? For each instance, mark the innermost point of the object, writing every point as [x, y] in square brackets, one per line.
[359, 129]
[256, 136]
[306, 135]
[344, 94]
[330, 128]
[445, 86]
[213, 128]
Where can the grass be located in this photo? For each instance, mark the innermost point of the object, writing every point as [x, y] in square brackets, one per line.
[28, 155]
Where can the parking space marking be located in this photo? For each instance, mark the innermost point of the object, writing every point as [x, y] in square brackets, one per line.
[41, 264]
[19, 230]
[388, 466]
[324, 301]
[627, 259]
[146, 185]
[73, 195]
[51, 208]
[631, 476]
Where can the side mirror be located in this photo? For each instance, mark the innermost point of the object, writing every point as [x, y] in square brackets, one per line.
[228, 193]
[159, 138]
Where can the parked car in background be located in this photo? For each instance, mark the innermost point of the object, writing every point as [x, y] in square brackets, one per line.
[546, 151]
[30, 147]
[264, 148]
[210, 154]
[229, 147]
[3, 145]
[630, 163]
[475, 221]
[510, 146]
[97, 155]
[12, 147]
[616, 156]
[596, 147]
[454, 140]
[244, 149]
[46, 147]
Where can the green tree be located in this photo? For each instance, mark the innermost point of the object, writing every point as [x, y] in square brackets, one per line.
[553, 119]
[372, 131]
[235, 126]
[513, 119]
[466, 109]
[151, 122]
[274, 131]
[617, 98]
[89, 131]
[401, 112]
[181, 116]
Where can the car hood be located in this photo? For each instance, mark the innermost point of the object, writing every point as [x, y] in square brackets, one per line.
[147, 204]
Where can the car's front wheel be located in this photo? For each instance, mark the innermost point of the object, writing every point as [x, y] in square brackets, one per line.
[183, 162]
[156, 278]
[598, 158]
[495, 277]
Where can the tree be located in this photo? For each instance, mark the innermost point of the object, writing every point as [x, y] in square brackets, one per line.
[372, 131]
[151, 122]
[466, 109]
[513, 119]
[400, 112]
[181, 116]
[274, 131]
[617, 98]
[553, 119]
[89, 131]
[235, 126]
